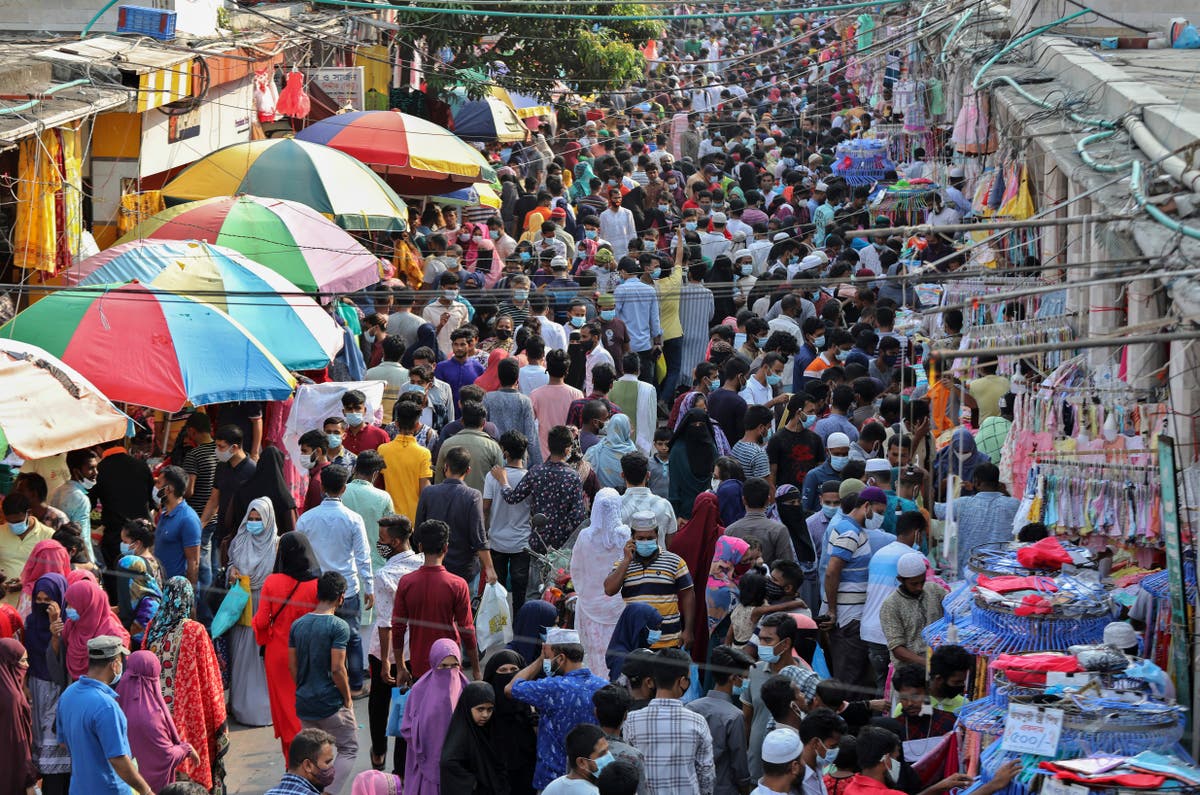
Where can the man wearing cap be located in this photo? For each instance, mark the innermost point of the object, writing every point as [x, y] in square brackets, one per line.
[562, 697]
[846, 586]
[882, 573]
[649, 573]
[914, 604]
[93, 728]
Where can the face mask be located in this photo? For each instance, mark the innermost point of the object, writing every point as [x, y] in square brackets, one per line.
[608, 314]
[894, 769]
[126, 549]
[774, 590]
[354, 418]
[829, 510]
[578, 321]
[307, 463]
[525, 255]
[520, 295]
[653, 636]
[748, 269]
[767, 654]
[646, 548]
[774, 380]
[690, 226]
[810, 421]
[385, 550]
[335, 440]
[324, 777]
[874, 521]
[838, 462]
[71, 613]
[19, 528]
[222, 456]
[450, 295]
[664, 208]
[90, 483]
[819, 342]
[254, 527]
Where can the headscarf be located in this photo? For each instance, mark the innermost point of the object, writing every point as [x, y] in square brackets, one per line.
[514, 720]
[637, 619]
[295, 558]
[605, 456]
[489, 379]
[376, 782]
[153, 738]
[426, 338]
[947, 461]
[142, 582]
[46, 557]
[254, 555]
[529, 627]
[695, 543]
[16, 721]
[427, 713]
[37, 626]
[267, 481]
[95, 618]
[729, 497]
[470, 762]
[178, 602]
[600, 545]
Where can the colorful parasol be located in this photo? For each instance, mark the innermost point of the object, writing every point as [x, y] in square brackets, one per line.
[480, 193]
[47, 408]
[416, 156]
[330, 182]
[488, 119]
[295, 241]
[290, 325]
[151, 347]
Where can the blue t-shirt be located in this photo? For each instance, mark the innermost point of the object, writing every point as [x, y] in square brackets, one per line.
[176, 531]
[314, 636]
[92, 726]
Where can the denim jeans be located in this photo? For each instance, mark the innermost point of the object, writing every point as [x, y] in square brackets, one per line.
[349, 611]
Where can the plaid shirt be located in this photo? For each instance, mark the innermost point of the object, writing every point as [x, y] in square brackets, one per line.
[291, 784]
[677, 745]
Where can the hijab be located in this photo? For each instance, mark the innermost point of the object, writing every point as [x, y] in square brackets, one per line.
[46, 557]
[479, 767]
[179, 600]
[529, 627]
[37, 627]
[729, 497]
[295, 558]
[427, 713]
[16, 721]
[636, 620]
[514, 720]
[254, 555]
[489, 380]
[95, 618]
[605, 456]
[376, 782]
[426, 338]
[267, 481]
[153, 738]
[948, 463]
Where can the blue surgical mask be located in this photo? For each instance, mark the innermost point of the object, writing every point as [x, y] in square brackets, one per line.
[335, 440]
[819, 342]
[829, 510]
[354, 418]
[810, 420]
[254, 527]
[577, 321]
[767, 654]
[71, 613]
[774, 379]
[653, 636]
[838, 462]
[607, 314]
[126, 549]
[646, 548]
[19, 528]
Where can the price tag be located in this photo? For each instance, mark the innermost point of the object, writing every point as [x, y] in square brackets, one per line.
[1054, 786]
[1032, 730]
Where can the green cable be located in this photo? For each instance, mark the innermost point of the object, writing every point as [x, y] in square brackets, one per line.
[475, 12]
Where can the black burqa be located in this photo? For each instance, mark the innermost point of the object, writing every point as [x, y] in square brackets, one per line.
[470, 760]
[267, 481]
[514, 725]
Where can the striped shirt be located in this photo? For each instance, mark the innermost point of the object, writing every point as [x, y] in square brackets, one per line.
[753, 458]
[849, 542]
[658, 583]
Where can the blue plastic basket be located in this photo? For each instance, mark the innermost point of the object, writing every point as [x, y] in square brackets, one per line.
[157, 23]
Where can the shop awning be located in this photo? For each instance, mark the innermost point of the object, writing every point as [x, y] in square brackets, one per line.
[54, 110]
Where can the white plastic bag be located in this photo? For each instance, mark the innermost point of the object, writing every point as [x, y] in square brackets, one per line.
[493, 622]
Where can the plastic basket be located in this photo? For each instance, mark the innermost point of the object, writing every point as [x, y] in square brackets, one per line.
[157, 23]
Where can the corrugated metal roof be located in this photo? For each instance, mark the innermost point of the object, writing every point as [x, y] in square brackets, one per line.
[56, 110]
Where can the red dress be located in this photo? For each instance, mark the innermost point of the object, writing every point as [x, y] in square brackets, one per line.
[282, 601]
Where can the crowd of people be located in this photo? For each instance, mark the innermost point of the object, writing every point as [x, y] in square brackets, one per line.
[673, 358]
